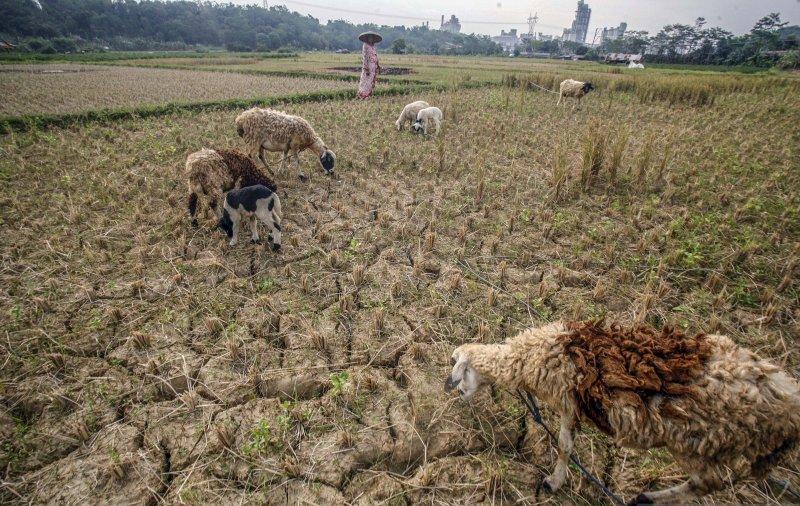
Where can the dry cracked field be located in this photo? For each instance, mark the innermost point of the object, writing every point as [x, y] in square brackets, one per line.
[64, 88]
[146, 361]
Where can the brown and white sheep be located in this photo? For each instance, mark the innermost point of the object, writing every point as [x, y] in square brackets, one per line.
[724, 413]
[211, 172]
[271, 130]
[574, 89]
[409, 113]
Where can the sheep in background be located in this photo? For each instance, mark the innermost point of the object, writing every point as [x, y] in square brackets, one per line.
[574, 89]
[428, 118]
[409, 114]
[211, 172]
[250, 203]
[271, 130]
[724, 413]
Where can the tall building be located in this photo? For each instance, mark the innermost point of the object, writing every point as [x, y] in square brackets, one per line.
[509, 40]
[580, 25]
[613, 33]
[452, 25]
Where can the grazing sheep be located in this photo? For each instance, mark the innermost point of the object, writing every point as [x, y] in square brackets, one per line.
[574, 89]
[409, 113]
[270, 130]
[211, 172]
[723, 412]
[430, 117]
[250, 203]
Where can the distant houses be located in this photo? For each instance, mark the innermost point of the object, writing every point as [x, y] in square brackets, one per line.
[623, 58]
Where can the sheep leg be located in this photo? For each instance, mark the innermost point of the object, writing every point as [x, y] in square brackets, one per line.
[560, 96]
[253, 229]
[273, 223]
[213, 199]
[296, 158]
[283, 160]
[437, 124]
[670, 495]
[262, 157]
[235, 219]
[565, 445]
[193, 208]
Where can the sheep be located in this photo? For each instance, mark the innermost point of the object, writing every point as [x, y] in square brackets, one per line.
[211, 172]
[250, 203]
[723, 412]
[574, 89]
[409, 113]
[271, 130]
[427, 118]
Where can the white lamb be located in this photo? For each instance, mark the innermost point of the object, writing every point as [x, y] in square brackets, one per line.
[409, 114]
[427, 119]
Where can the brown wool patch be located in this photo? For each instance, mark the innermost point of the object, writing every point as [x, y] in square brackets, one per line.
[630, 365]
[242, 166]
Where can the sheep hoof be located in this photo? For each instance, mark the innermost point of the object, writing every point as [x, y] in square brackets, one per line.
[255, 241]
[195, 224]
[547, 487]
[276, 247]
[640, 499]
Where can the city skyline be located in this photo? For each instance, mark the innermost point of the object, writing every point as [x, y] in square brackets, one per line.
[489, 17]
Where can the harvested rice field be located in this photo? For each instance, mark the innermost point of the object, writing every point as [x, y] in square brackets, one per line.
[147, 361]
[68, 88]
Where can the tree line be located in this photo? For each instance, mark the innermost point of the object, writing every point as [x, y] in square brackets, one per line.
[71, 25]
[769, 41]
[60, 26]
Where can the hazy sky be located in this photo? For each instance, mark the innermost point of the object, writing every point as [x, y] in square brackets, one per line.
[489, 16]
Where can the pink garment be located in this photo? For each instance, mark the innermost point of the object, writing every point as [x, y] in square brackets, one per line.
[369, 71]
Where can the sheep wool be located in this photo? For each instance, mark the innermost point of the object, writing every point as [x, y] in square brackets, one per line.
[211, 172]
[409, 113]
[276, 131]
[723, 412]
[570, 88]
[429, 118]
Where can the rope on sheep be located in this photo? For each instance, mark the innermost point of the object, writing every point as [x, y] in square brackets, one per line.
[530, 402]
[543, 88]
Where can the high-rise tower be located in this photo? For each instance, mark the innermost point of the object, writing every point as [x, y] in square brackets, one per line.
[580, 26]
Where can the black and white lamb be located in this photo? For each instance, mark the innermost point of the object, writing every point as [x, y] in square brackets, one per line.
[250, 203]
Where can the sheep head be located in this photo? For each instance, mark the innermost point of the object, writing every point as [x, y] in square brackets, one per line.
[464, 376]
[327, 159]
[417, 126]
[587, 87]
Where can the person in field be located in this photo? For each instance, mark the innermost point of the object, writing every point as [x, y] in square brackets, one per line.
[370, 67]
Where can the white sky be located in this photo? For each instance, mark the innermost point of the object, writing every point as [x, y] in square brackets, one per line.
[489, 16]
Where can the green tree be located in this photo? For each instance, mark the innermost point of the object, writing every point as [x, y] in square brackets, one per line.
[398, 46]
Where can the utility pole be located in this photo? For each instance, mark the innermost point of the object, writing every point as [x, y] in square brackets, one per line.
[532, 20]
[594, 39]
[266, 4]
